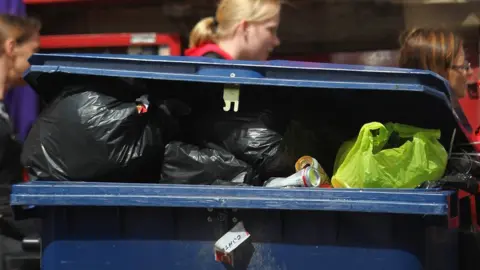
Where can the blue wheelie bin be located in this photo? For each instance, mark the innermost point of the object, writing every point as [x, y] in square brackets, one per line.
[151, 226]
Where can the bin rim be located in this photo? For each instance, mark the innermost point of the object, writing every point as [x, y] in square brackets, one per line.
[399, 201]
[189, 69]
[39, 58]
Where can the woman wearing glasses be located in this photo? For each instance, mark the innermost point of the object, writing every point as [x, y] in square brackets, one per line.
[437, 50]
[442, 52]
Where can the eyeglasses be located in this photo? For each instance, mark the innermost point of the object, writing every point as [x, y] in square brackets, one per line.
[466, 66]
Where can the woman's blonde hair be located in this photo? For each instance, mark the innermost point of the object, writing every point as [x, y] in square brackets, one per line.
[229, 14]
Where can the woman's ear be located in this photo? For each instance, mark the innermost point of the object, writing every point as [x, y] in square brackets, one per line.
[9, 47]
[243, 29]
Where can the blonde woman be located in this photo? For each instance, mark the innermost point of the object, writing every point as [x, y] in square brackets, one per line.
[240, 30]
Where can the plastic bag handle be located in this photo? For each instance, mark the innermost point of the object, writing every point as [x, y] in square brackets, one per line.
[406, 131]
[366, 141]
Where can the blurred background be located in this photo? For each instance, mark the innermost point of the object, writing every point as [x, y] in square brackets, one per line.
[361, 31]
[338, 31]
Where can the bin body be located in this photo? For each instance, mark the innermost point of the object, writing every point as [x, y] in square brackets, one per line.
[149, 226]
[127, 226]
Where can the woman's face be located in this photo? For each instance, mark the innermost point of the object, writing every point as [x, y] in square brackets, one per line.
[458, 74]
[21, 54]
[261, 38]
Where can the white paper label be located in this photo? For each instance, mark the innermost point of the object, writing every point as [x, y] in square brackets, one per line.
[232, 239]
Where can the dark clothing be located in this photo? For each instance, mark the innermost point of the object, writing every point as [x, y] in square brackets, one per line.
[10, 166]
[11, 232]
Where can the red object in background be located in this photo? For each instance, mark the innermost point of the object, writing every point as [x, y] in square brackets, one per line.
[472, 202]
[471, 103]
[111, 40]
[207, 48]
[26, 176]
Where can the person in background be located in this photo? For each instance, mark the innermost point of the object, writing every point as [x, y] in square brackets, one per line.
[440, 51]
[19, 39]
[240, 30]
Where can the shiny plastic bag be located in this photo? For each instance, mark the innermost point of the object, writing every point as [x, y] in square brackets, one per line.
[97, 132]
[252, 137]
[390, 156]
[189, 164]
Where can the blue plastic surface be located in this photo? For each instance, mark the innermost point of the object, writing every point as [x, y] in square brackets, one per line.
[141, 226]
[175, 227]
[277, 73]
[407, 201]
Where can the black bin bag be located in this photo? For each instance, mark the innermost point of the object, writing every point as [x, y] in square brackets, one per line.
[255, 138]
[189, 164]
[97, 132]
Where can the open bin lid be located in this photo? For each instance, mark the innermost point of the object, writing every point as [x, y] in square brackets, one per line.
[198, 69]
[47, 69]
[405, 85]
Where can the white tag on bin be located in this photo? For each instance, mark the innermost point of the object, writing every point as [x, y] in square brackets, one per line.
[229, 242]
[231, 94]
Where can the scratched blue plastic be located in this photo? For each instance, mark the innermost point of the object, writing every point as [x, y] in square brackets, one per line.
[117, 194]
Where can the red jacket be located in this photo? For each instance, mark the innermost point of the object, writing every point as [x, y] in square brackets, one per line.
[208, 49]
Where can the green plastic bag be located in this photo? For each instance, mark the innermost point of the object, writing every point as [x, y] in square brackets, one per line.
[367, 162]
